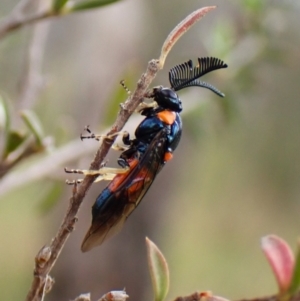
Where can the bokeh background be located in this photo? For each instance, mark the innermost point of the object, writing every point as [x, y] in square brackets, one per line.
[234, 177]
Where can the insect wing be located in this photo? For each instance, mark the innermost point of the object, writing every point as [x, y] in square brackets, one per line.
[122, 195]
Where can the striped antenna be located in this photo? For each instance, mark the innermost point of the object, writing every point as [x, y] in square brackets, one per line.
[122, 82]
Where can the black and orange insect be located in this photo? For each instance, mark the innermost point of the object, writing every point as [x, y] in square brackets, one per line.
[156, 138]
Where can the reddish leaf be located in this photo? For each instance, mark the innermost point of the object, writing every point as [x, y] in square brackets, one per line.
[281, 259]
[180, 29]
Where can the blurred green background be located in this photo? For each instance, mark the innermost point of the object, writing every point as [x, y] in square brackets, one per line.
[234, 177]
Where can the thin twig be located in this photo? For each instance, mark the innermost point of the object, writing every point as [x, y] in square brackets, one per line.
[15, 21]
[41, 271]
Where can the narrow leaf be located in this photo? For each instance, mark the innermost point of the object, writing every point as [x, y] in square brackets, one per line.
[295, 282]
[159, 271]
[281, 259]
[5, 126]
[180, 29]
[58, 5]
[13, 141]
[89, 4]
[4, 115]
[34, 125]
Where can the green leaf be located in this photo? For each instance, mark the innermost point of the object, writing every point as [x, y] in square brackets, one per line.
[159, 271]
[295, 283]
[58, 5]
[52, 192]
[90, 4]
[13, 140]
[4, 115]
[34, 125]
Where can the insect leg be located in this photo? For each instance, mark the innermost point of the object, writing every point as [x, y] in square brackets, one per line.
[126, 140]
[101, 171]
[118, 147]
[73, 182]
[152, 92]
[104, 173]
[143, 105]
[124, 134]
[100, 137]
[106, 177]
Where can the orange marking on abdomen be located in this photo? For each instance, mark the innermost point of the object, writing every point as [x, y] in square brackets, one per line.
[168, 156]
[119, 178]
[167, 116]
[139, 181]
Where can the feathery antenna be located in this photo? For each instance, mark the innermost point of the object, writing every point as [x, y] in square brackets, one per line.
[185, 75]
